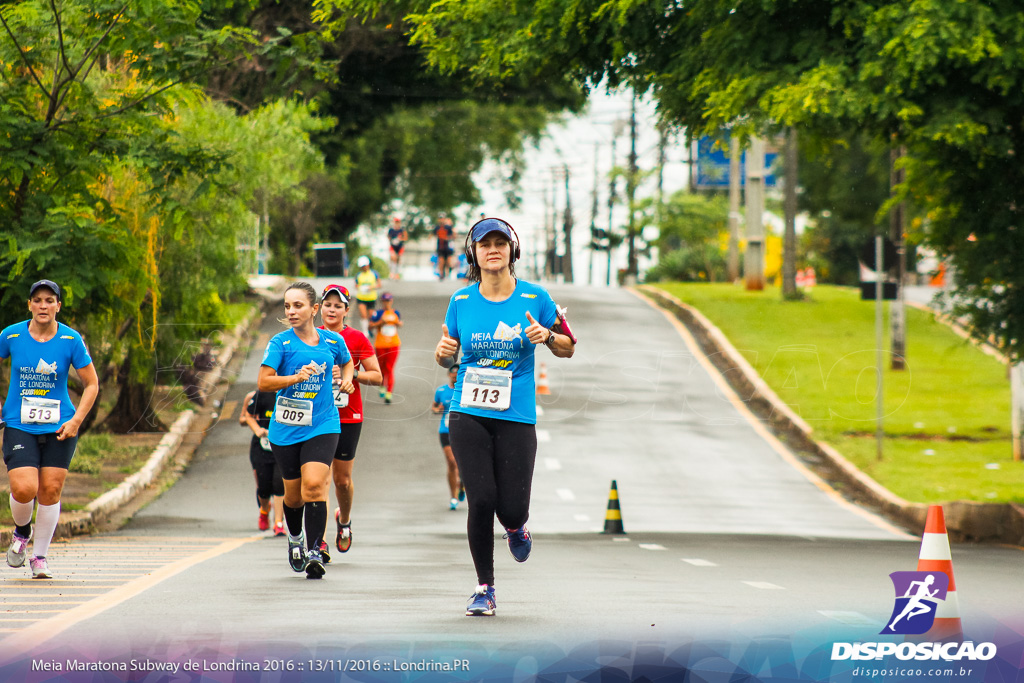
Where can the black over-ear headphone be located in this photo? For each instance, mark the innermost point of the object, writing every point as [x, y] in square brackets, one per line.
[469, 241]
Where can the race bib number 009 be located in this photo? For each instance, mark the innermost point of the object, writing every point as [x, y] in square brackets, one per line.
[487, 388]
[35, 410]
[293, 412]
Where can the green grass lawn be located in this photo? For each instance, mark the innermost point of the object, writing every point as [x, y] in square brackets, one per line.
[947, 416]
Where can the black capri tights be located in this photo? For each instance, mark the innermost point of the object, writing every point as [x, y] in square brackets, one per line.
[495, 459]
[268, 474]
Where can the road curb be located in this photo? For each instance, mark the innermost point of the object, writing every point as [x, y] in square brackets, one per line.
[966, 521]
[77, 522]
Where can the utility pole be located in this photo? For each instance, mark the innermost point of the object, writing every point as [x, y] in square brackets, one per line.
[616, 131]
[789, 246]
[879, 362]
[567, 230]
[897, 310]
[632, 265]
[734, 208]
[593, 220]
[753, 263]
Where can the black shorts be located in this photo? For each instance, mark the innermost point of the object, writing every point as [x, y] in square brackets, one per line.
[398, 248]
[22, 449]
[348, 440]
[369, 304]
[444, 252]
[446, 439]
[292, 457]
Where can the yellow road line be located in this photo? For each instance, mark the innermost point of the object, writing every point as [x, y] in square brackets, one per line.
[35, 635]
[763, 431]
[227, 410]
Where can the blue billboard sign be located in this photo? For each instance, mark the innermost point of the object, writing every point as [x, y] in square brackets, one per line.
[713, 165]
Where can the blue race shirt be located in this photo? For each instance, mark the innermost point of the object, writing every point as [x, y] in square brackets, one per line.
[491, 334]
[286, 353]
[443, 395]
[40, 369]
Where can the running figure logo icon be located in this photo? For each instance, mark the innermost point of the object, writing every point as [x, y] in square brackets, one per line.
[44, 368]
[917, 596]
[505, 332]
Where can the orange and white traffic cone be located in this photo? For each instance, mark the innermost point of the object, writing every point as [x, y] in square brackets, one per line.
[543, 389]
[935, 557]
[810, 279]
[801, 279]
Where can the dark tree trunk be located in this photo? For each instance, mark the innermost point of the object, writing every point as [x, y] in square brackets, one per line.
[133, 411]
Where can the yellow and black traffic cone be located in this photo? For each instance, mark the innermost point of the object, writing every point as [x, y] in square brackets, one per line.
[613, 518]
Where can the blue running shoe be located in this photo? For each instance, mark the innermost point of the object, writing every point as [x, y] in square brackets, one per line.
[462, 492]
[315, 565]
[453, 504]
[481, 603]
[297, 552]
[520, 543]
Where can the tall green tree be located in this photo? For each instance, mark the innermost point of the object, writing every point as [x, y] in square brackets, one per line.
[942, 78]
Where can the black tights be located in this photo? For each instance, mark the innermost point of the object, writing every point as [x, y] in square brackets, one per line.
[495, 459]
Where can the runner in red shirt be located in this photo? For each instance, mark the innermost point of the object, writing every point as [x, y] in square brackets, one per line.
[333, 310]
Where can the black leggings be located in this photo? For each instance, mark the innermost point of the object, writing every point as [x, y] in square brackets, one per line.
[495, 459]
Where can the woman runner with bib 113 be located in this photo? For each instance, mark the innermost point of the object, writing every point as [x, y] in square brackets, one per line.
[42, 423]
[499, 321]
[298, 364]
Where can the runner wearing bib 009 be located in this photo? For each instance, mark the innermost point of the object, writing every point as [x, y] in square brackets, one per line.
[499, 321]
[42, 423]
[333, 311]
[299, 364]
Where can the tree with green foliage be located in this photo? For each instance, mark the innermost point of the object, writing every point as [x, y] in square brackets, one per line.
[938, 77]
[694, 229]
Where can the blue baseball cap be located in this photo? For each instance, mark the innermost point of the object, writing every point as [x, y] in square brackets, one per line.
[49, 284]
[489, 225]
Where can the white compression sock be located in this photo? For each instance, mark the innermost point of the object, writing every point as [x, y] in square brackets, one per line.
[46, 523]
[22, 512]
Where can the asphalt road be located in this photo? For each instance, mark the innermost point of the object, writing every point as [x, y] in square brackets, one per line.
[728, 536]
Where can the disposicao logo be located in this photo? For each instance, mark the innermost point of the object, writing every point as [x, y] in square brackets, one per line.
[917, 596]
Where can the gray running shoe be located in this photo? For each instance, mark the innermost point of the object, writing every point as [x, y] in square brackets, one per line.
[18, 551]
[297, 552]
[314, 565]
[39, 568]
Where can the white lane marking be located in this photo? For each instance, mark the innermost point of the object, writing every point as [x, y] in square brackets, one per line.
[552, 463]
[697, 562]
[565, 494]
[850, 618]
[581, 518]
[543, 436]
[764, 585]
[651, 546]
[620, 539]
[756, 424]
[540, 411]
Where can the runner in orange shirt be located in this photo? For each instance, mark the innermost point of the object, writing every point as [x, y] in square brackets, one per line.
[386, 323]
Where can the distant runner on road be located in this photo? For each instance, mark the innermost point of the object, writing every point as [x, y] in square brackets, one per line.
[499, 320]
[299, 365]
[333, 311]
[442, 405]
[397, 237]
[257, 410]
[386, 342]
[367, 284]
[42, 422]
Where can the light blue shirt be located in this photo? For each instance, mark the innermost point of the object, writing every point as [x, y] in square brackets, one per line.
[40, 369]
[443, 395]
[286, 353]
[491, 334]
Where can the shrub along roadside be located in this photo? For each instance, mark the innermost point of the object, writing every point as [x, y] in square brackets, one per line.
[946, 417]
